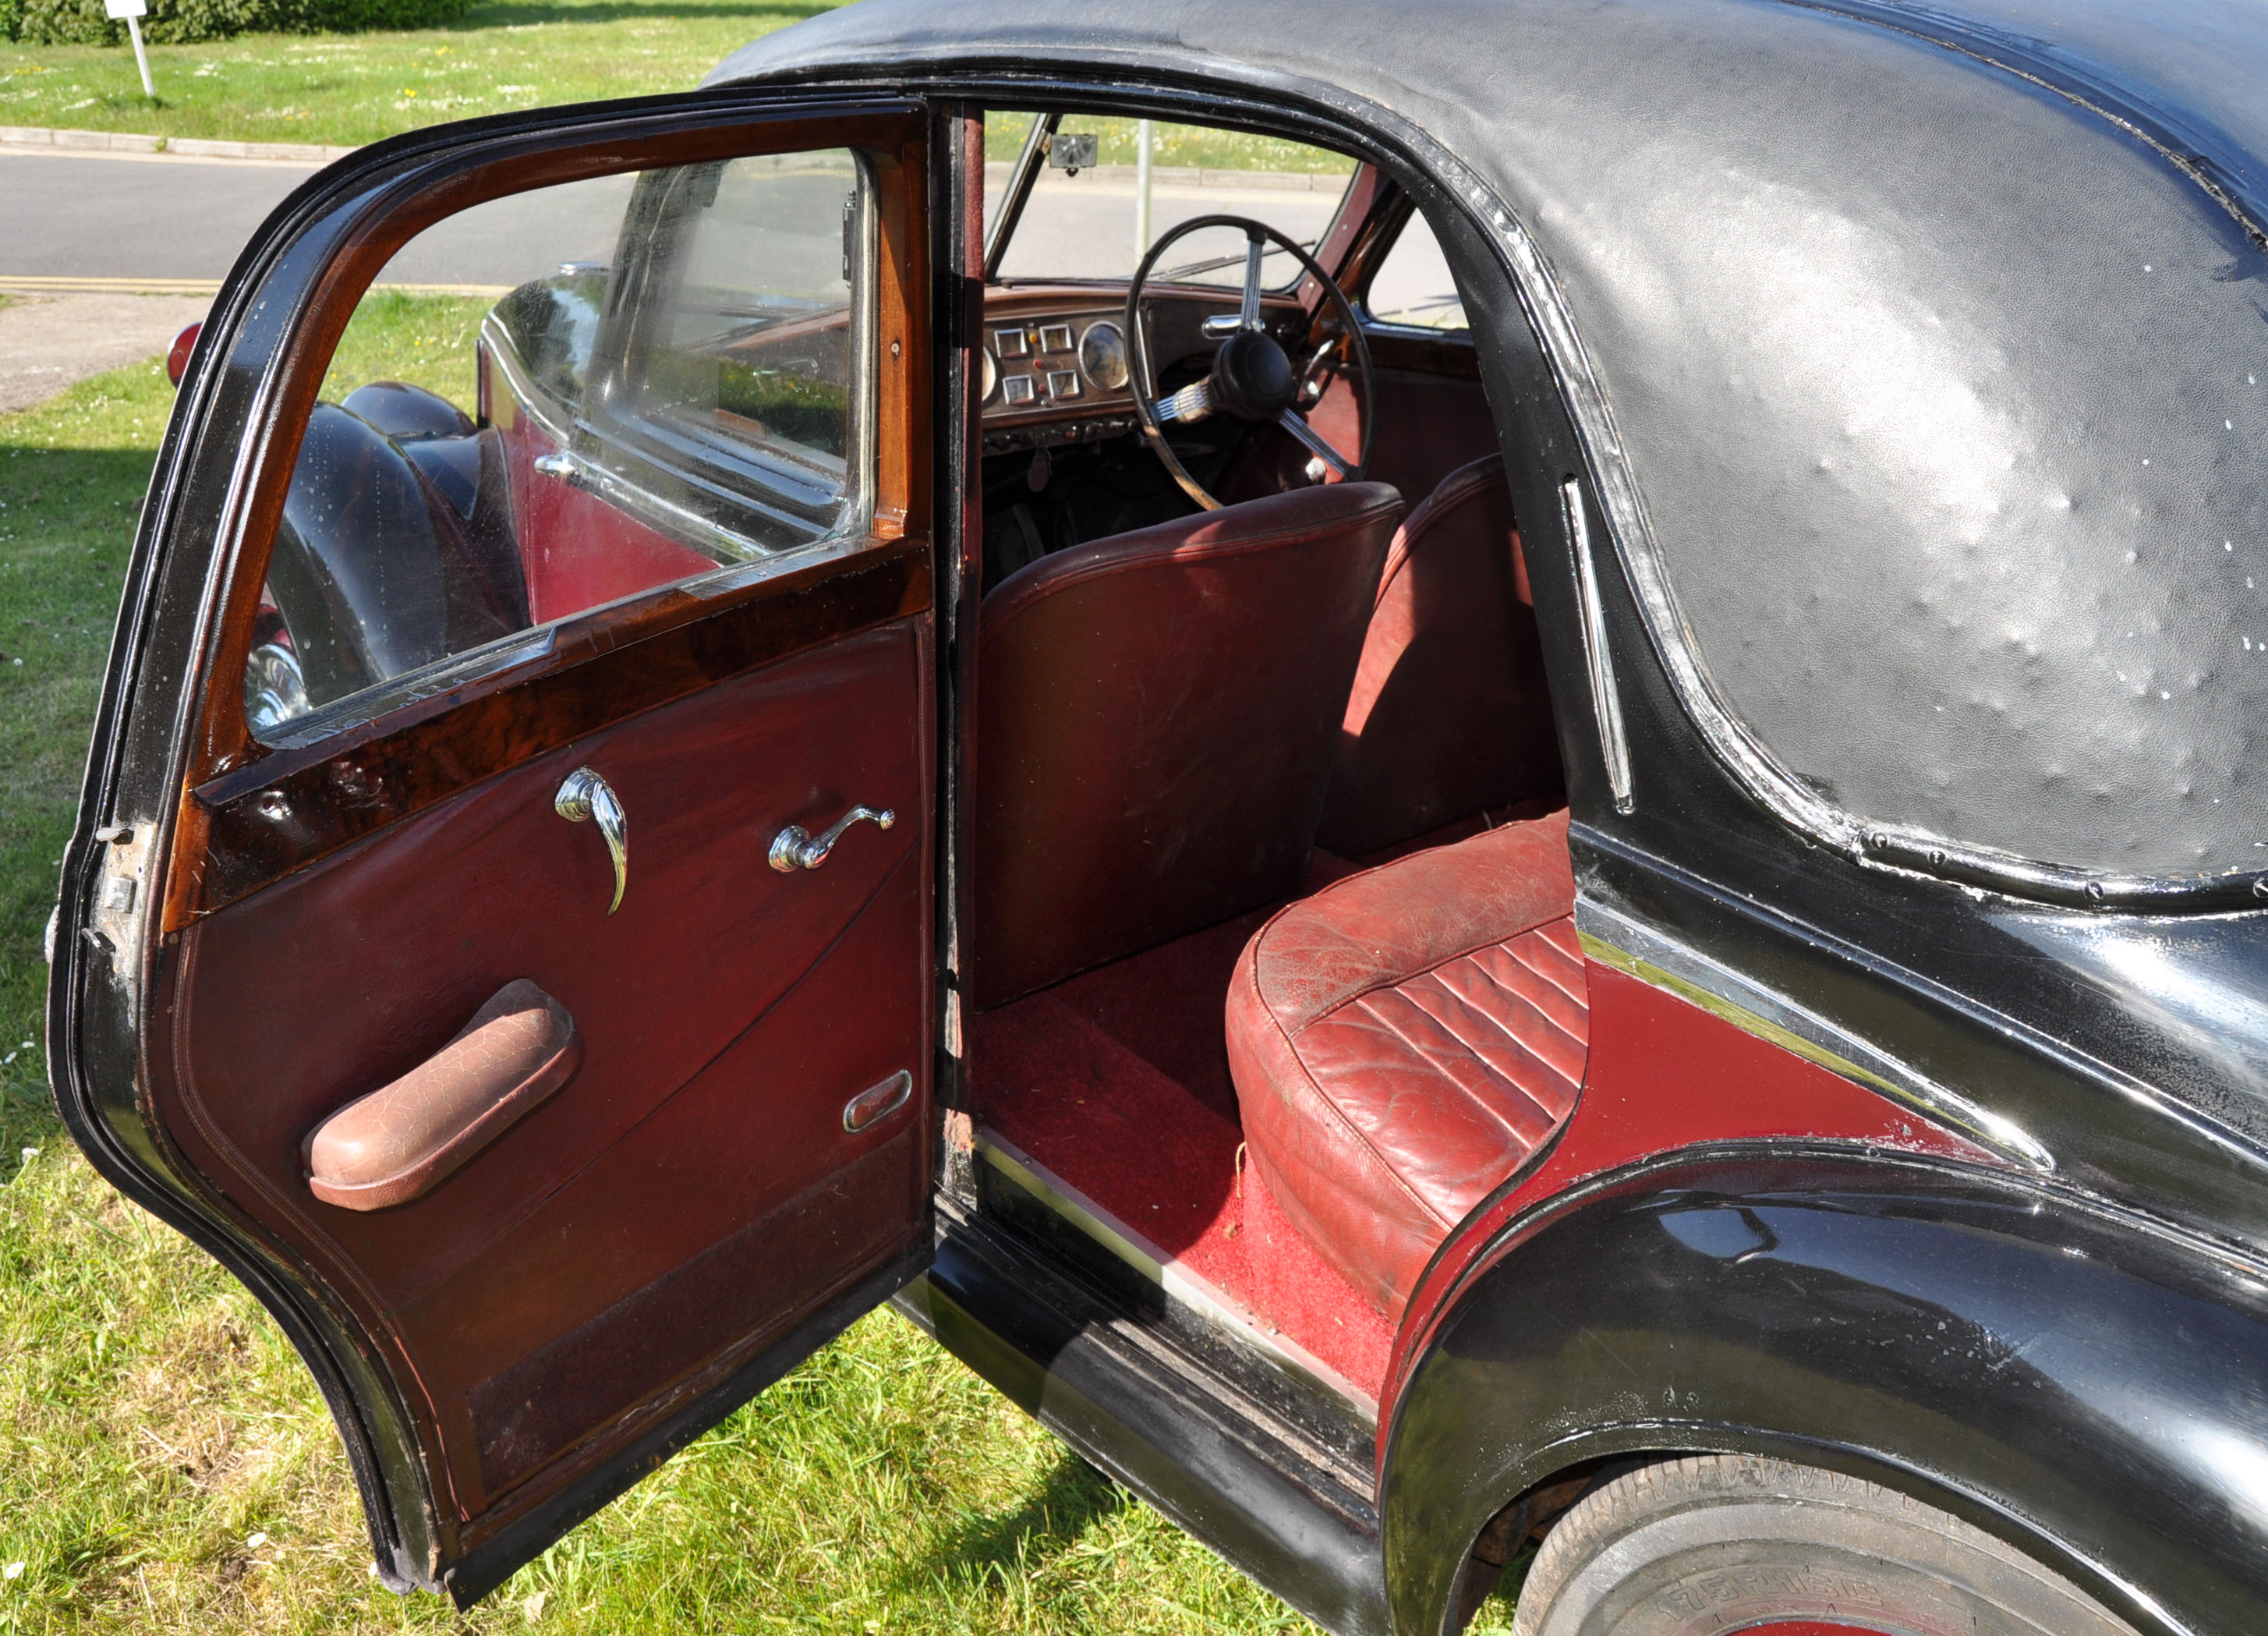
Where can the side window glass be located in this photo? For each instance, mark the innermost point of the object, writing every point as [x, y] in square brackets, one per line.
[562, 399]
[1412, 286]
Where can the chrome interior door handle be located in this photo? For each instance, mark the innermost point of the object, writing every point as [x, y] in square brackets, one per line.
[585, 795]
[796, 848]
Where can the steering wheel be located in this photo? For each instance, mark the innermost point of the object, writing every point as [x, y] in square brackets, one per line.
[1252, 379]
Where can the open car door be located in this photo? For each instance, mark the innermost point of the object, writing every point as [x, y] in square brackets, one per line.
[501, 923]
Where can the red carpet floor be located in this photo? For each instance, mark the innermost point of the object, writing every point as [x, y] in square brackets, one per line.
[1117, 1081]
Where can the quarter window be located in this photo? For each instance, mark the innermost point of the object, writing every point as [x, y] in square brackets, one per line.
[1412, 286]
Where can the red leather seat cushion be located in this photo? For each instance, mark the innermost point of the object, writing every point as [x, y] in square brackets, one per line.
[1155, 718]
[1406, 1039]
[1450, 715]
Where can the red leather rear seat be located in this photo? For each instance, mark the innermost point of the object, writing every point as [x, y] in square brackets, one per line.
[1405, 1039]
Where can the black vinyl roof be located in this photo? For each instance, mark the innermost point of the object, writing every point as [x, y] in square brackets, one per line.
[1921, 354]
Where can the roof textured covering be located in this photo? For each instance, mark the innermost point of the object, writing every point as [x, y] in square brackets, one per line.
[1935, 340]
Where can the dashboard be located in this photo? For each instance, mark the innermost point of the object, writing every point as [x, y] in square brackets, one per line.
[1057, 365]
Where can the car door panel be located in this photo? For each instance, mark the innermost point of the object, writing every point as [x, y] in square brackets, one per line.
[718, 974]
[684, 1208]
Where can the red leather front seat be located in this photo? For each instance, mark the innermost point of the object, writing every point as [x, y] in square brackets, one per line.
[1155, 718]
[1449, 716]
[1406, 1039]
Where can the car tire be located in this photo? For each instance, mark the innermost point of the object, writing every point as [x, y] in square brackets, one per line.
[1723, 1543]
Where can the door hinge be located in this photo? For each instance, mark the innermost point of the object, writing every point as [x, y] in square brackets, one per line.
[122, 886]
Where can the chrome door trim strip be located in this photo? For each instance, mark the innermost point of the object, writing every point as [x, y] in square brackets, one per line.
[1613, 939]
[1606, 703]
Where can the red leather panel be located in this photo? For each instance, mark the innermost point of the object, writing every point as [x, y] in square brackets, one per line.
[1450, 714]
[1155, 718]
[1428, 426]
[716, 1061]
[1405, 1040]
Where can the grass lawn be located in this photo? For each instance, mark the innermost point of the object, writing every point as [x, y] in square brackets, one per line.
[347, 89]
[166, 1464]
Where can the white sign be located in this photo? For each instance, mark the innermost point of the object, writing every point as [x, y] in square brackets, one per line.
[121, 9]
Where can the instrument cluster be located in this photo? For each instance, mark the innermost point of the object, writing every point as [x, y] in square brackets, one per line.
[1055, 362]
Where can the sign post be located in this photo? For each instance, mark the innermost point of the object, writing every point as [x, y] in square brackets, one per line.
[1141, 189]
[129, 11]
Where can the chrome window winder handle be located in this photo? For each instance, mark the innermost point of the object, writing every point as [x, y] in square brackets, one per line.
[796, 848]
[585, 795]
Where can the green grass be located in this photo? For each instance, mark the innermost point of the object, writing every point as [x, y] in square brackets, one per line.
[425, 340]
[348, 89]
[1173, 144]
[166, 1464]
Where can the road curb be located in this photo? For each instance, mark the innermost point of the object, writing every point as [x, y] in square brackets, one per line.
[53, 140]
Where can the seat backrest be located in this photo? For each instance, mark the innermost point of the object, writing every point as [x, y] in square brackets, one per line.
[1155, 716]
[1449, 716]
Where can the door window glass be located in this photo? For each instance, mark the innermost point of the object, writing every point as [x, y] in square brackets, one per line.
[558, 400]
[1413, 286]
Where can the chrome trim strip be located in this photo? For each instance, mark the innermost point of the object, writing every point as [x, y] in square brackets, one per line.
[1238, 1324]
[458, 670]
[1615, 939]
[1606, 703]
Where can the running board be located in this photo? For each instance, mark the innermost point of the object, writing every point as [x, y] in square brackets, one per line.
[1134, 1402]
[1291, 1377]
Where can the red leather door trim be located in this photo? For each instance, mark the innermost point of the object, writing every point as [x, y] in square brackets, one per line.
[294, 807]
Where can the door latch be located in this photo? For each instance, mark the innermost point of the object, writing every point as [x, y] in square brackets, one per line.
[796, 848]
[587, 796]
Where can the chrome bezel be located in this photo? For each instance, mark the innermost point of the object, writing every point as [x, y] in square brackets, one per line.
[1122, 358]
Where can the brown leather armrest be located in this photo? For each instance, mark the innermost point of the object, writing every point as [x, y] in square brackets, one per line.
[401, 1140]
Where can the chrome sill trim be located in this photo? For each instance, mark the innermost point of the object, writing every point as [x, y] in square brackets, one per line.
[1612, 939]
[1239, 1323]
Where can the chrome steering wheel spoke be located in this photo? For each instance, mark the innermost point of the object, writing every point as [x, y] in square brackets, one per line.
[1255, 247]
[1192, 404]
[1314, 442]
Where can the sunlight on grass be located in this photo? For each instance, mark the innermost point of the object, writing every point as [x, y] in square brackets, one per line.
[1173, 145]
[166, 1464]
[347, 89]
[425, 340]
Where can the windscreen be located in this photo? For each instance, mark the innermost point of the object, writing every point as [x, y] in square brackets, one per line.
[1097, 220]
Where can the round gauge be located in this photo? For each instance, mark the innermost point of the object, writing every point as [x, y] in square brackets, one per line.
[990, 375]
[1102, 355]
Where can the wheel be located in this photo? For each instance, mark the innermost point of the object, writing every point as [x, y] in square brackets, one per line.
[1723, 1543]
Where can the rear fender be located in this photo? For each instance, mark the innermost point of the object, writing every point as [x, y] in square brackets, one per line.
[2088, 1386]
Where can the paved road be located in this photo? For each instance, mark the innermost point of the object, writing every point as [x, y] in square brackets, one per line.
[120, 216]
[152, 217]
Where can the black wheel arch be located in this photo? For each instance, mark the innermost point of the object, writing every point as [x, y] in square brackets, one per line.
[2072, 1378]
